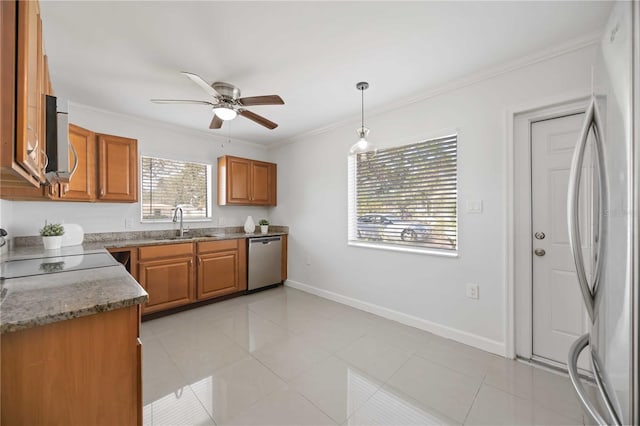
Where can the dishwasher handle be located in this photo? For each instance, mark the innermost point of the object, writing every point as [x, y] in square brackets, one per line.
[265, 240]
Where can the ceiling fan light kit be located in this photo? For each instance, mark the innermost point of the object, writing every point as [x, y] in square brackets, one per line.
[225, 113]
[227, 103]
[362, 145]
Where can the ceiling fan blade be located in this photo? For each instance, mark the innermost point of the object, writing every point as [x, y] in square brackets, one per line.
[261, 100]
[181, 101]
[200, 82]
[216, 122]
[258, 119]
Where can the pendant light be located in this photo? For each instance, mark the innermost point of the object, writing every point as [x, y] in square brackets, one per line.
[362, 145]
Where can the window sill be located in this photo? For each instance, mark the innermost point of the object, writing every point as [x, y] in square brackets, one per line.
[406, 249]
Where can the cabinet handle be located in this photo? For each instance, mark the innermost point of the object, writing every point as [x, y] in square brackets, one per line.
[199, 261]
[102, 192]
[34, 149]
[46, 161]
[190, 262]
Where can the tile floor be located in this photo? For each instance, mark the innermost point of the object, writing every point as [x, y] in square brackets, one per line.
[285, 357]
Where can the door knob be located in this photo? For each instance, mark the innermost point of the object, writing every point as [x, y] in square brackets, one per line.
[539, 235]
[539, 252]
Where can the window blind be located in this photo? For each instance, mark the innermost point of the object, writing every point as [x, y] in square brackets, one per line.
[406, 195]
[167, 184]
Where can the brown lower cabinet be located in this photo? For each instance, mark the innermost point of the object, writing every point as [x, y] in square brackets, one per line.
[222, 268]
[82, 371]
[166, 273]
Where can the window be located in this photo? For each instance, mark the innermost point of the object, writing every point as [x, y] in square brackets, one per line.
[405, 197]
[167, 184]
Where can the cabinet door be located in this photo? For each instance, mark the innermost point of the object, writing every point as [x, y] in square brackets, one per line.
[169, 282]
[30, 139]
[82, 186]
[260, 183]
[246, 182]
[238, 189]
[218, 274]
[117, 169]
[82, 371]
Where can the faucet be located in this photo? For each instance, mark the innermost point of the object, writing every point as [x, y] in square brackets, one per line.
[175, 219]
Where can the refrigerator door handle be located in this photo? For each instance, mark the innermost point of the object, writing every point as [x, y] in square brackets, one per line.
[592, 121]
[597, 373]
[574, 352]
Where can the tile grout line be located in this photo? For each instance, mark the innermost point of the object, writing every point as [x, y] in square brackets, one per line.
[184, 379]
[475, 397]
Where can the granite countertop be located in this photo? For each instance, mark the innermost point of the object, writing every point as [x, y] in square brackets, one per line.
[185, 239]
[43, 299]
[37, 250]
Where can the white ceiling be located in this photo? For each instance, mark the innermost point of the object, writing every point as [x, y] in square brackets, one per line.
[118, 55]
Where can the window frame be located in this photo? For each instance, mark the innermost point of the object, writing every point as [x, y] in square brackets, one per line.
[352, 216]
[209, 182]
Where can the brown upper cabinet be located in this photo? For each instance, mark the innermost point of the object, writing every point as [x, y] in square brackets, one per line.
[30, 131]
[246, 182]
[24, 81]
[82, 186]
[117, 169]
[107, 171]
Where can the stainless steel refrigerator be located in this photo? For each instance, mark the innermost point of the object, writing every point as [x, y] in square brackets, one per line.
[609, 280]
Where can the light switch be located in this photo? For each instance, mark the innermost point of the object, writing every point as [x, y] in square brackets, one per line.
[474, 206]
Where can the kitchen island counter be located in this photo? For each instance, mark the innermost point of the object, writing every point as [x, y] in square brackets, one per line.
[43, 299]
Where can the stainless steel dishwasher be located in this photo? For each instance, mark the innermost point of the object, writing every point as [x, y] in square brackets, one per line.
[265, 261]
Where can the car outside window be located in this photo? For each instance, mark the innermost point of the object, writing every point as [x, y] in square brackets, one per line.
[405, 196]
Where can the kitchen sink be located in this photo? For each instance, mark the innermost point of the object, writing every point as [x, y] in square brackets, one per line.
[192, 237]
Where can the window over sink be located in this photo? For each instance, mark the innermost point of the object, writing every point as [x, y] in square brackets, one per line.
[405, 198]
[167, 184]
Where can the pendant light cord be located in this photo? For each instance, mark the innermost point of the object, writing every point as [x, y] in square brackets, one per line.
[362, 106]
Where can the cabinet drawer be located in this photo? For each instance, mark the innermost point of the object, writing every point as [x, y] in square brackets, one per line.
[213, 246]
[167, 250]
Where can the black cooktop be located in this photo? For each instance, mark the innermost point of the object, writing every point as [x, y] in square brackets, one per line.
[52, 265]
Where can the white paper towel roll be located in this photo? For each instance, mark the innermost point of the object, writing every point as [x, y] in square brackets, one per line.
[73, 234]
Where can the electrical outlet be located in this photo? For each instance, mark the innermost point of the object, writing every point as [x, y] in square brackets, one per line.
[473, 291]
[221, 221]
[474, 206]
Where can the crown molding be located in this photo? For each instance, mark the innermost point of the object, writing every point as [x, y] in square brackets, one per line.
[573, 45]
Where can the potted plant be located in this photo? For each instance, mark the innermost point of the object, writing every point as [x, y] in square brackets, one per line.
[264, 226]
[52, 235]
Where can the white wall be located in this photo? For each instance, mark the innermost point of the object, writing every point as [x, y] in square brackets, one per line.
[6, 217]
[154, 139]
[425, 290]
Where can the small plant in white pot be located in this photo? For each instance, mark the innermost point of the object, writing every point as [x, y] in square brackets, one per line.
[264, 226]
[52, 235]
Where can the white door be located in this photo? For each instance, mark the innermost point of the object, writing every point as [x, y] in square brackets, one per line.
[559, 316]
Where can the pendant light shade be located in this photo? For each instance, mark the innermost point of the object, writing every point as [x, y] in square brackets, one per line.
[362, 145]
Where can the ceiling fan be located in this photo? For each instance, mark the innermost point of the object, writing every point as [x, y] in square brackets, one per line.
[227, 103]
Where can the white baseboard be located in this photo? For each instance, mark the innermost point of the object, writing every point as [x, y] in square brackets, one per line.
[467, 338]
